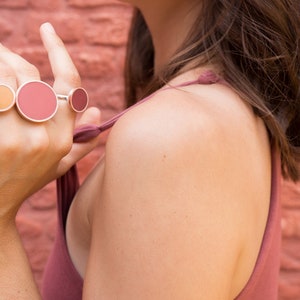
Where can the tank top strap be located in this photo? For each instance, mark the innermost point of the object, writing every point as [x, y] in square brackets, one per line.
[87, 132]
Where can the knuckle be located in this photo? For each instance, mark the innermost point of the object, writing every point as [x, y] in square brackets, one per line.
[11, 148]
[41, 145]
[12, 62]
[62, 143]
[30, 70]
[42, 142]
[63, 148]
[72, 77]
[7, 73]
[75, 79]
[38, 142]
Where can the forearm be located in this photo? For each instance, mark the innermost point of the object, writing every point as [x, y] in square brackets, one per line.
[16, 279]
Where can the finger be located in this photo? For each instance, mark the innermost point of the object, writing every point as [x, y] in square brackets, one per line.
[23, 70]
[79, 150]
[7, 76]
[91, 116]
[65, 75]
[8, 86]
[63, 68]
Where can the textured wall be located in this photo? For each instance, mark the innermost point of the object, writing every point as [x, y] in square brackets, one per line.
[95, 33]
[290, 254]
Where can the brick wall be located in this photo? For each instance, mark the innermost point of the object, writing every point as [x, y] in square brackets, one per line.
[95, 34]
[290, 254]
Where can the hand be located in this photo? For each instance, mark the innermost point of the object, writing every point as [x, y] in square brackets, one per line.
[33, 154]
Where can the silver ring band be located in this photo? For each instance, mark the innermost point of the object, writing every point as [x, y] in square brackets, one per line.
[77, 98]
[62, 97]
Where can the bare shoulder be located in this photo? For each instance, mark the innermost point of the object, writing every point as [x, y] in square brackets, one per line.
[181, 172]
[208, 118]
[206, 135]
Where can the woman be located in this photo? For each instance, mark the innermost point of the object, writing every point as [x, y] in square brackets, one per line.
[184, 204]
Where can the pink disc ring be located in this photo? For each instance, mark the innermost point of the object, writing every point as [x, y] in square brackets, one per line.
[7, 97]
[36, 101]
[78, 99]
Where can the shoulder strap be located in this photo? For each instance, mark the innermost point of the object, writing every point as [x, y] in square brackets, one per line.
[87, 132]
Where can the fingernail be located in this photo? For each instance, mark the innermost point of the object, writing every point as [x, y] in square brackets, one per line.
[48, 27]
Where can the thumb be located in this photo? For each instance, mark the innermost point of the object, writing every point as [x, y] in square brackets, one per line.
[92, 116]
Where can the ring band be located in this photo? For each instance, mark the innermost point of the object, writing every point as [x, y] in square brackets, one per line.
[78, 99]
[7, 97]
[36, 101]
[62, 97]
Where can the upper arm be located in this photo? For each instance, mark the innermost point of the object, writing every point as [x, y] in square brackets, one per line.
[166, 224]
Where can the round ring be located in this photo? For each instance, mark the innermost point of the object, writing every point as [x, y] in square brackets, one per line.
[36, 101]
[7, 97]
[78, 99]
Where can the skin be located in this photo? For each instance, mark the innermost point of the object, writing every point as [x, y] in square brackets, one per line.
[159, 208]
[178, 204]
[46, 148]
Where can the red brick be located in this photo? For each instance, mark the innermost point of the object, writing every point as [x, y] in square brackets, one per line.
[32, 26]
[28, 228]
[14, 4]
[291, 248]
[97, 63]
[6, 29]
[50, 229]
[90, 3]
[38, 258]
[68, 26]
[291, 224]
[38, 57]
[109, 27]
[291, 194]
[48, 5]
[45, 199]
[114, 100]
[289, 286]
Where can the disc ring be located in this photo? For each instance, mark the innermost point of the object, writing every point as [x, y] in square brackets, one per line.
[36, 101]
[78, 99]
[7, 97]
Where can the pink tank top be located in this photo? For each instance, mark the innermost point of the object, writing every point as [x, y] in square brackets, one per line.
[62, 281]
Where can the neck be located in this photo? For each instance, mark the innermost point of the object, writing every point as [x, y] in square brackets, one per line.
[169, 24]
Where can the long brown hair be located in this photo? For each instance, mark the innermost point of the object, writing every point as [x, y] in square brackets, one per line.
[256, 44]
